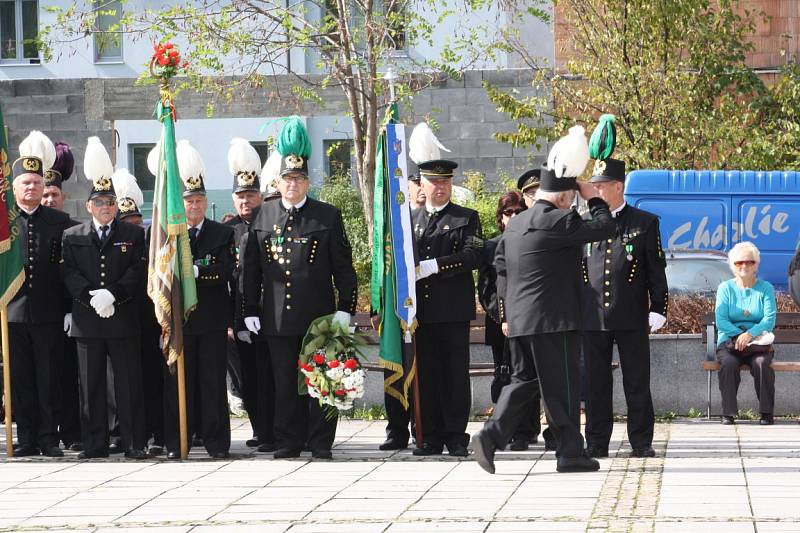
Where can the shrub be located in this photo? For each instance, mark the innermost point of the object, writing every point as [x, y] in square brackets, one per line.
[686, 312]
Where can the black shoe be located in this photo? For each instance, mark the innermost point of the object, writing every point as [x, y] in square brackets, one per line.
[393, 443]
[322, 454]
[518, 445]
[643, 452]
[766, 419]
[484, 450]
[220, 455]
[136, 454]
[457, 450]
[25, 451]
[427, 450]
[156, 449]
[266, 447]
[76, 447]
[252, 443]
[52, 451]
[596, 451]
[577, 464]
[728, 420]
[550, 445]
[115, 448]
[197, 442]
[173, 456]
[92, 455]
[286, 453]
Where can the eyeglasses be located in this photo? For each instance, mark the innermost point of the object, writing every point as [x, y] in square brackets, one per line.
[103, 202]
[510, 212]
[294, 177]
[749, 262]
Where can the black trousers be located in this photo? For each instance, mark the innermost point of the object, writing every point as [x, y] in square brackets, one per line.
[153, 367]
[553, 358]
[36, 352]
[69, 406]
[206, 393]
[125, 356]
[730, 376]
[531, 425]
[634, 362]
[299, 419]
[445, 395]
[264, 423]
[248, 378]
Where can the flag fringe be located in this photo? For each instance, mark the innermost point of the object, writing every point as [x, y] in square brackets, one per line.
[396, 375]
[5, 245]
[12, 289]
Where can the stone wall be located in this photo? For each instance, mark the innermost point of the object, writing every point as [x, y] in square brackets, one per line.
[72, 110]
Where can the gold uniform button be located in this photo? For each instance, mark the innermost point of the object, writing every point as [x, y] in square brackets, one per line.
[608, 272]
[288, 307]
[288, 296]
[608, 293]
[610, 241]
[102, 274]
[102, 283]
[288, 283]
[288, 272]
[608, 251]
[606, 304]
[608, 260]
[289, 228]
[608, 283]
[102, 257]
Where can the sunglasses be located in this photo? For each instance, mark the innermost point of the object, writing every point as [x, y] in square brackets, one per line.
[103, 202]
[749, 262]
[510, 212]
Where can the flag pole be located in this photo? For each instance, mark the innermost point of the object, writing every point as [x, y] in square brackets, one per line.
[7, 381]
[415, 392]
[184, 431]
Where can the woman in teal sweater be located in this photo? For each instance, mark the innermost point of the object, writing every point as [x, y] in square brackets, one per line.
[745, 317]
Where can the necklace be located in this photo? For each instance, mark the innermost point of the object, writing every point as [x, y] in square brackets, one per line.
[746, 304]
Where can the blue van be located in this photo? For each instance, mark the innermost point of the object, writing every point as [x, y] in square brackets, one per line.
[709, 209]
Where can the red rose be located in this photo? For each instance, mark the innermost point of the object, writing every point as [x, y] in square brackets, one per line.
[163, 61]
[339, 392]
[308, 381]
[319, 359]
[168, 46]
[307, 368]
[173, 53]
[333, 364]
[324, 393]
[185, 64]
[352, 364]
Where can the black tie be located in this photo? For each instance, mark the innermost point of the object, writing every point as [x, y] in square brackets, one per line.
[193, 239]
[103, 234]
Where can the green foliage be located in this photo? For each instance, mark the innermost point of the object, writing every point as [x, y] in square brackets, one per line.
[674, 74]
[747, 414]
[373, 412]
[666, 416]
[338, 190]
[694, 413]
[485, 200]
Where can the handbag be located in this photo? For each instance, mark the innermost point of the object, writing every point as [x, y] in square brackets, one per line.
[502, 374]
[751, 349]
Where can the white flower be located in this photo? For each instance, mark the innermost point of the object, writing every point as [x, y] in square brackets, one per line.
[335, 373]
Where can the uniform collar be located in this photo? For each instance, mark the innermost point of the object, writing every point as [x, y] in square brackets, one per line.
[26, 213]
[432, 210]
[287, 206]
[199, 226]
[617, 211]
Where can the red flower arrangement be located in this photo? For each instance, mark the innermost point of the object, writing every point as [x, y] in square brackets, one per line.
[166, 61]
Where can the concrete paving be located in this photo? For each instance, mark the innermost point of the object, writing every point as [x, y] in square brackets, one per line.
[706, 478]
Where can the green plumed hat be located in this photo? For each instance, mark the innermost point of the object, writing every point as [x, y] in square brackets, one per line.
[604, 138]
[294, 147]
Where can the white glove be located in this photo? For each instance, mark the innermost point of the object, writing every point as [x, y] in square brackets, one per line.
[67, 323]
[106, 312]
[656, 321]
[101, 298]
[426, 268]
[253, 324]
[244, 336]
[196, 271]
[342, 318]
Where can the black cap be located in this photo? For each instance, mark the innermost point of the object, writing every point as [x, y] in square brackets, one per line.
[28, 165]
[529, 179]
[548, 182]
[437, 168]
[608, 170]
[126, 207]
[246, 181]
[413, 172]
[194, 185]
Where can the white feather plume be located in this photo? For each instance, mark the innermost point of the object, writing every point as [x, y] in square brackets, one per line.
[423, 144]
[126, 186]
[271, 171]
[96, 162]
[37, 144]
[190, 163]
[242, 157]
[152, 158]
[570, 154]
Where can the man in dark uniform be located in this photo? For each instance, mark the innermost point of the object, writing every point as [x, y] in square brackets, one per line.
[36, 314]
[205, 332]
[625, 297]
[245, 346]
[538, 265]
[103, 268]
[296, 252]
[449, 245]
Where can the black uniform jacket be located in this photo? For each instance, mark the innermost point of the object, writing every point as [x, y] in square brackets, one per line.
[214, 257]
[453, 237]
[623, 276]
[118, 266]
[538, 262]
[487, 292]
[240, 227]
[295, 260]
[39, 300]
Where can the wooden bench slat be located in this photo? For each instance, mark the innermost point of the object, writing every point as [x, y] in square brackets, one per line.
[777, 366]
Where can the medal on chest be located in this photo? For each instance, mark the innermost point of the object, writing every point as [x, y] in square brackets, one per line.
[629, 252]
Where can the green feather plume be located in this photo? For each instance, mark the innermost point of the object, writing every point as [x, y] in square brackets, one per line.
[604, 138]
[293, 139]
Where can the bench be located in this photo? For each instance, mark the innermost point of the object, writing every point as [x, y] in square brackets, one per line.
[787, 331]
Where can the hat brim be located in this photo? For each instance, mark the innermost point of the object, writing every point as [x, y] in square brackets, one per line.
[601, 178]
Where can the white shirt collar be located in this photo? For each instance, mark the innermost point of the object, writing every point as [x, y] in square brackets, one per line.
[97, 225]
[29, 213]
[288, 206]
[199, 226]
[431, 210]
[616, 211]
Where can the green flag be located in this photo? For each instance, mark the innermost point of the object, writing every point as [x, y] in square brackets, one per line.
[170, 276]
[12, 273]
